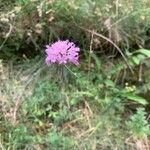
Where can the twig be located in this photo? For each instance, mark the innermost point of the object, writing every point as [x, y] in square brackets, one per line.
[117, 7]
[110, 41]
[91, 43]
[1, 146]
[87, 105]
[140, 72]
[86, 132]
[88, 119]
[14, 119]
[6, 36]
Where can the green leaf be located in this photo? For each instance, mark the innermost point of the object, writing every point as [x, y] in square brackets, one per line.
[141, 56]
[85, 93]
[110, 83]
[136, 60]
[135, 98]
[97, 60]
[128, 53]
[145, 52]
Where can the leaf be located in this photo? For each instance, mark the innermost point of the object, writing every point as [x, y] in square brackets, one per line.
[73, 101]
[141, 56]
[81, 93]
[135, 98]
[136, 60]
[128, 53]
[144, 52]
[110, 83]
[97, 61]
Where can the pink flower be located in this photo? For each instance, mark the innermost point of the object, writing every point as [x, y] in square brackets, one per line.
[62, 52]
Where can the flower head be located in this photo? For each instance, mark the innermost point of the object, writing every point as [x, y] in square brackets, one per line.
[62, 52]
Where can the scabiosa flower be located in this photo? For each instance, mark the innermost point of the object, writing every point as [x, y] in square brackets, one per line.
[62, 52]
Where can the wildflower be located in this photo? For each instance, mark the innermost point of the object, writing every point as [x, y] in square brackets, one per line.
[62, 52]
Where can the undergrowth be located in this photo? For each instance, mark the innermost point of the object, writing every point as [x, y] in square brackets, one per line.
[26, 25]
[103, 103]
[90, 111]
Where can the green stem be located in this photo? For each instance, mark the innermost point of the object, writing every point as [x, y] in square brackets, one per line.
[71, 71]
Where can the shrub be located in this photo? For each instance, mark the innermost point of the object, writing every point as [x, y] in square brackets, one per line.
[36, 23]
[138, 124]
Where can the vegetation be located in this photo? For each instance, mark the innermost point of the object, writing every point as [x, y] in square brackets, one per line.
[103, 103]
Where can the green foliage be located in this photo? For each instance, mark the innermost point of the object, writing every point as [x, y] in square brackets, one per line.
[138, 56]
[57, 141]
[19, 137]
[84, 107]
[123, 93]
[136, 98]
[45, 114]
[46, 103]
[138, 124]
[40, 22]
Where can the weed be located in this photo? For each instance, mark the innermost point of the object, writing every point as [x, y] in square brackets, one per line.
[138, 124]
